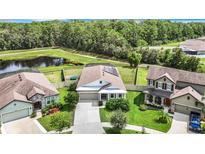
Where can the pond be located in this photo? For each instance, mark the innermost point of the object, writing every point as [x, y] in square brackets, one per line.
[15, 65]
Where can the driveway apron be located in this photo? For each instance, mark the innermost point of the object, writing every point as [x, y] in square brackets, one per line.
[87, 119]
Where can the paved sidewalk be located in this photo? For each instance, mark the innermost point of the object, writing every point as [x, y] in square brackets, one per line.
[136, 128]
[87, 119]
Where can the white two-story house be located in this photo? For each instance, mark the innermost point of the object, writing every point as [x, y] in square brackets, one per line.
[181, 91]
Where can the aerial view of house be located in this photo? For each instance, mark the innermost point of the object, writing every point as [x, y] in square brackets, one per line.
[100, 83]
[180, 91]
[102, 77]
[23, 93]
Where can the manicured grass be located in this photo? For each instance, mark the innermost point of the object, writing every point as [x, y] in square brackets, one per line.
[117, 131]
[67, 54]
[137, 117]
[172, 44]
[66, 111]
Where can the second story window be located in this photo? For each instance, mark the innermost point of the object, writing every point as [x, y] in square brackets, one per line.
[172, 88]
[164, 86]
[151, 82]
[156, 84]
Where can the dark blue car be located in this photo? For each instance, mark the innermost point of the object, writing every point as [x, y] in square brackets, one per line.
[194, 122]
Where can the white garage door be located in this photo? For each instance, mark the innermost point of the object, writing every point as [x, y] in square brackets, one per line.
[6, 117]
[88, 96]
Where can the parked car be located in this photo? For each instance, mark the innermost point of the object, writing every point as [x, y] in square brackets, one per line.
[194, 122]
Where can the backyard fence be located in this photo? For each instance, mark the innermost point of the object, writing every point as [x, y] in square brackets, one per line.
[135, 87]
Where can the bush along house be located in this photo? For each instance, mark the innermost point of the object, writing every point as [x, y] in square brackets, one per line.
[23, 93]
[178, 90]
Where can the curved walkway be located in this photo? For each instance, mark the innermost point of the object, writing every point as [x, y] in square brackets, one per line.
[136, 128]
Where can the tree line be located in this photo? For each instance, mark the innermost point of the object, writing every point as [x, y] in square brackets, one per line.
[115, 38]
[110, 37]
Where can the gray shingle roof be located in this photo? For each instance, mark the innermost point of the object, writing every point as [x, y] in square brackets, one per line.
[18, 86]
[177, 75]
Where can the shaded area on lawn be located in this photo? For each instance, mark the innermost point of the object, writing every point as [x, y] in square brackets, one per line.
[136, 117]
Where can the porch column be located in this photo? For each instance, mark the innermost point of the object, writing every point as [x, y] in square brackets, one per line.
[99, 96]
[162, 101]
[153, 101]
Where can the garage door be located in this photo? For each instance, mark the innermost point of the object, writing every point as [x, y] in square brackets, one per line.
[88, 96]
[184, 109]
[6, 117]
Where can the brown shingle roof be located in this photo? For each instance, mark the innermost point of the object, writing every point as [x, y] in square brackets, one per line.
[35, 91]
[177, 75]
[18, 86]
[97, 72]
[187, 90]
[194, 44]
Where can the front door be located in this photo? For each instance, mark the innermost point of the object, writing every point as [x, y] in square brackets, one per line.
[167, 102]
[37, 106]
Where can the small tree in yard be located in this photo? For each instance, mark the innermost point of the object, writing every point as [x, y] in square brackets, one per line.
[118, 120]
[62, 76]
[71, 99]
[134, 60]
[59, 122]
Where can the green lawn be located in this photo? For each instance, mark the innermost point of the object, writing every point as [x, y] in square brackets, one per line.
[137, 117]
[128, 75]
[67, 54]
[45, 121]
[53, 72]
[117, 131]
[172, 44]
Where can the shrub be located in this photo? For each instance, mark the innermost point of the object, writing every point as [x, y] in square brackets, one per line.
[164, 118]
[118, 120]
[203, 128]
[71, 99]
[115, 104]
[72, 86]
[59, 121]
[142, 107]
[62, 76]
[33, 114]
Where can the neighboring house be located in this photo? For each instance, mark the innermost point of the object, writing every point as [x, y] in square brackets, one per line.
[194, 46]
[22, 93]
[181, 91]
[100, 83]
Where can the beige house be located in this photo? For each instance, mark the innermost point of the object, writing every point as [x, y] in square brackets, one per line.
[179, 90]
[22, 93]
[100, 83]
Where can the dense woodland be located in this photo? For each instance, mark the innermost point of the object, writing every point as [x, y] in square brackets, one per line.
[109, 37]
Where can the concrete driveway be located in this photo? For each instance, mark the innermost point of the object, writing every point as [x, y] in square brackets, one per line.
[21, 126]
[87, 119]
[179, 124]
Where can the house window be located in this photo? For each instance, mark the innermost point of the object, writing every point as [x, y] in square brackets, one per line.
[160, 85]
[112, 95]
[156, 84]
[120, 95]
[14, 104]
[48, 102]
[151, 82]
[100, 82]
[164, 86]
[169, 86]
[172, 89]
[188, 98]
